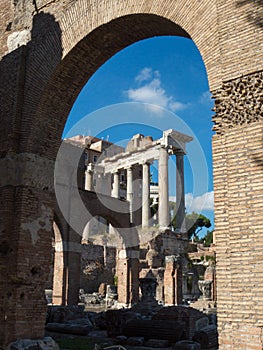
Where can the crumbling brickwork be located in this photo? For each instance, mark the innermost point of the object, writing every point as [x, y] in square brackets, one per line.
[49, 49]
[238, 102]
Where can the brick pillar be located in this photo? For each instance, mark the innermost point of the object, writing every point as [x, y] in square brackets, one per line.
[25, 261]
[172, 281]
[58, 295]
[67, 261]
[238, 179]
[73, 275]
[128, 276]
[134, 277]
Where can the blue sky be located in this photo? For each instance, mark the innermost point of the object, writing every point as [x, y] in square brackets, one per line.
[151, 86]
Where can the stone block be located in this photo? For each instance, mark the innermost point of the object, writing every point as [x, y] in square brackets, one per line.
[135, 341]
[187, 345]
[77, 329]
[155, 329]
[37, 344]
[157, 343]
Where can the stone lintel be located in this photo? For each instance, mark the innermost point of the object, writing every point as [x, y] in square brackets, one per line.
[175, 141]
[172, 140]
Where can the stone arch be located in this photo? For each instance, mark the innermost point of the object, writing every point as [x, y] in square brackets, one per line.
[229, 41]
[84, 58]
[67, 262]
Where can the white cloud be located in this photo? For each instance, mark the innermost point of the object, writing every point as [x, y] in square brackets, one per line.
[206, 98]
[145, 74]
[178, 106]
[150, 91]
[199, 203]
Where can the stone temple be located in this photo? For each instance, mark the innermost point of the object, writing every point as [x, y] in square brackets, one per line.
[121, 177]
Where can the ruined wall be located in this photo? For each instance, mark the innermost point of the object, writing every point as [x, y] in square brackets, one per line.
[64, 43]
[98, 265]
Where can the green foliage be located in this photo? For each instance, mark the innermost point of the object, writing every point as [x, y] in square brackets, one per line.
[207, 240]
[154, 209]
[211, 258]
[189, 265]
[195, 223]
[77, 343]
[115, 280]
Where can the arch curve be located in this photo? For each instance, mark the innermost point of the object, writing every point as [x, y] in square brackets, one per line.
[81, 62]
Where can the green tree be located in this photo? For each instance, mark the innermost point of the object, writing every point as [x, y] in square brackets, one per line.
[207, 240]
[195, 223]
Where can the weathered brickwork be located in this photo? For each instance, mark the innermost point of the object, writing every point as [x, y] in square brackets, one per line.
[239, 102]
[238, 183]
[49, 49]
[238, 178]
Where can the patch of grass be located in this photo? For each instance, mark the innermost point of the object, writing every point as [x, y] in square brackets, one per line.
[78, 343]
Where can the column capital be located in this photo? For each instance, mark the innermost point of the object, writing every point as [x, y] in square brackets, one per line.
[179, 152]
[146, 162]
[163, 146]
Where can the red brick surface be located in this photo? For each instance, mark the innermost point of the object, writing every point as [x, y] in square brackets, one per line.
[39, 83]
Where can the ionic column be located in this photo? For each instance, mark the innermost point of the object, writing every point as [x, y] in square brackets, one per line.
[89, 177]
[145, 194]
[130, 191]
[116, 185]
[163, 211]
[180, 195]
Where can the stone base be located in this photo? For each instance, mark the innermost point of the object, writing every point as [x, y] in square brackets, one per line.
[146, 308]
[204, 305]
[38, 344]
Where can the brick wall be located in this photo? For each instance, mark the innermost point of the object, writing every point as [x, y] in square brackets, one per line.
[39, 83]
[238, 179]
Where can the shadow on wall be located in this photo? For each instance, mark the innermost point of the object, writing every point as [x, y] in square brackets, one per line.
[23, 76]
[258, 4]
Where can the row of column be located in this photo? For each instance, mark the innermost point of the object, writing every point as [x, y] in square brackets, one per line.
[163, 211]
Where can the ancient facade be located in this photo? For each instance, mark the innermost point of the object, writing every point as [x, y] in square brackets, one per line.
[109, 170]
[49, 49]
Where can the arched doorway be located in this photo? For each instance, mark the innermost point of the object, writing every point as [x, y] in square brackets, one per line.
[59, 59]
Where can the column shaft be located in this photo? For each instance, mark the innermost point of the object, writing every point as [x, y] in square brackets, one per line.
[180, 195]
[130, 191]
[89, 178]
[145, 194]
[163, 211]
[116, 185]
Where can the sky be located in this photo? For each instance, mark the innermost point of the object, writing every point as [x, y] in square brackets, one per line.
[151, 86]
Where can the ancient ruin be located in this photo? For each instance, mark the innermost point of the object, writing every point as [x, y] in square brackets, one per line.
[49, 49]
[159, 250]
